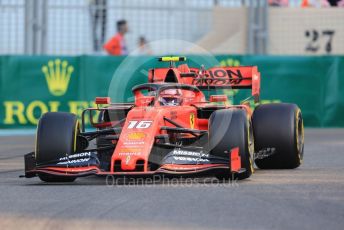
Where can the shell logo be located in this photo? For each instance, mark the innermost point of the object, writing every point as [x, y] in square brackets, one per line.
[136, 136]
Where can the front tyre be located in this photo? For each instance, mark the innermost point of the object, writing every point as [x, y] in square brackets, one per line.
[56, 137]
[230, 128]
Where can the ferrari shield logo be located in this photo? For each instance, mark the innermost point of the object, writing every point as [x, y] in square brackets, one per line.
[192, 120]
[127, 160]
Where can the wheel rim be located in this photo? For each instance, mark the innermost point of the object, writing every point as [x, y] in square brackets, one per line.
[300, 135]
[251, 146]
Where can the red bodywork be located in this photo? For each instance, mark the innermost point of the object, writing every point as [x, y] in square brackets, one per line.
[146, 117]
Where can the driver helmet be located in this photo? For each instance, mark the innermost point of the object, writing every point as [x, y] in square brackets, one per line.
[171, 97]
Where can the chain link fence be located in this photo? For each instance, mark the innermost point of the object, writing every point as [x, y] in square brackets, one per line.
[65, 27]
[12, 27]
[76, 27]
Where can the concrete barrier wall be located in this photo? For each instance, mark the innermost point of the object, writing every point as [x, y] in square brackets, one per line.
[311, 31]
[291, 31]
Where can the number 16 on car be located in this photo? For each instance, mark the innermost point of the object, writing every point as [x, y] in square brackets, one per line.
[139, 124]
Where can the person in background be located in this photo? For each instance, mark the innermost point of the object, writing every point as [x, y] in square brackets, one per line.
[144, 48]
[314, 3]
[116, 45]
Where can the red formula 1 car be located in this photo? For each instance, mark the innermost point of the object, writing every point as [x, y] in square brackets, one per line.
[172, 129]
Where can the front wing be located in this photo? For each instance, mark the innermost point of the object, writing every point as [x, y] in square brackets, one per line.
[177, 163]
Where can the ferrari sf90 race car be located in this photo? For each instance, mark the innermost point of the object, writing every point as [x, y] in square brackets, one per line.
[172, 129]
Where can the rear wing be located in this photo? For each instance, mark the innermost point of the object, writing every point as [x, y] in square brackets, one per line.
[241, 77]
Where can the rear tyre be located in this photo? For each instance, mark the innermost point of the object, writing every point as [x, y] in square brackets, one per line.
[56, 137]
[231, 128]
[279, 126]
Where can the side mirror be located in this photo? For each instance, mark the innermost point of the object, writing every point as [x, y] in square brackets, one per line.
[102, 100]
